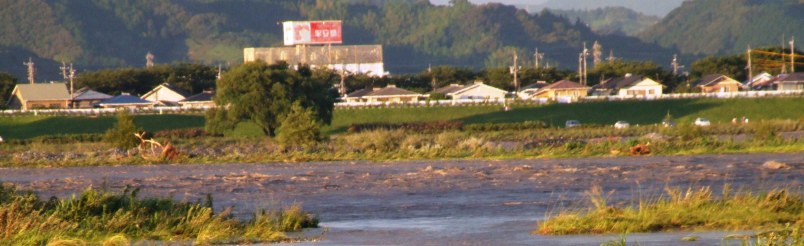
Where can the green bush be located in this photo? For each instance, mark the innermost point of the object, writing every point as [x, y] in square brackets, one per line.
[299, 128]
[122, 134]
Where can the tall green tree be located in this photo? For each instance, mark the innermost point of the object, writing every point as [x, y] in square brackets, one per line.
[7, 83]
[264, 94]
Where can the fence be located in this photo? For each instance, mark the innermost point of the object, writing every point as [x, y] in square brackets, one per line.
[104, 111]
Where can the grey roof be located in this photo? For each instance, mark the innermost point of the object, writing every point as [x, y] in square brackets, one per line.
[448, 89]
[563, 85]
[391, 91]
[89, 94]
[620, 82]
[200, 97]
[168, 86]
[792, 78]
[124, 99]
[359, 93]
[537, 85]
[710, 79]
[42, 92]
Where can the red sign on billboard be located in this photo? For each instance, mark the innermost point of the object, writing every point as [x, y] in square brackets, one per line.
[312, 32]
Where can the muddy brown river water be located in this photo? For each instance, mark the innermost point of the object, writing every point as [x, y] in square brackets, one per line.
[464, 202]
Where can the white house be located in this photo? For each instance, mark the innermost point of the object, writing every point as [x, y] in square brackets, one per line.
[478, 90]
[166, 94]
[388, 94]
[628, 85]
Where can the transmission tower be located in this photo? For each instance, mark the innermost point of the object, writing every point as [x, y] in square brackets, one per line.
[31, 70]
[597, 53]
[149, 60]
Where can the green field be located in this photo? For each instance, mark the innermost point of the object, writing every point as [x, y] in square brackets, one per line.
[604, 113]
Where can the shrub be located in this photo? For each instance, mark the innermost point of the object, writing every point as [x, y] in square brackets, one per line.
[122, 134]
[299, 129]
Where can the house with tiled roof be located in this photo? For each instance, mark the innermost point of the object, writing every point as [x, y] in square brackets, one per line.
[562, 90]
[761, 81]
[712, 83]
[478, 90]
[34, 96]
[392, 94]
[166, 94]
[200, 100]
[126, 100]
[87, 98]
[628, 85]
[790, 82]
[527, 91]
[387, 94]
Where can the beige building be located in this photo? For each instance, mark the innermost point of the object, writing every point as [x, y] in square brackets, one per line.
[166, 94]
[628, 85]
[366, 59]
[39, 96]
[562, 89]
[388, 94]
[478, 90]
[712, 83]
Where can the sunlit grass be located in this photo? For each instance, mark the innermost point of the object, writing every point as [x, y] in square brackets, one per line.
[100, 217]
[682, 209]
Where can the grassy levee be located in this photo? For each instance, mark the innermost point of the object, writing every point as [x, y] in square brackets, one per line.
[601, 113]
[24, 127]
[690, 210]
[104, 218]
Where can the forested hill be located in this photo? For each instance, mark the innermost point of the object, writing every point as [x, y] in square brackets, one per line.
[113, 33]
[729, 26]
[611, 20]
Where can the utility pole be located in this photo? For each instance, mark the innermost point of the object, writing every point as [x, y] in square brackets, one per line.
[218, 76]
[537, 57]
[675, 65]
[792, 55]
[784, 66]
[63, 71]
[432, 77]
[72, 78]
[750, 69]
[342, 88]
[584, 54]
[580, 67]
[515, 71]
[31, 70]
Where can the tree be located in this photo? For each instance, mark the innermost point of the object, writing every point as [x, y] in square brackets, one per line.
[122, 134]
[299, 129]
[7, 83]
[264, 94]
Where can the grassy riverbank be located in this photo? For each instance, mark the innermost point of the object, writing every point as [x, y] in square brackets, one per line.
[100, 217]
[599, 113]
[492, 141]
[778, 210]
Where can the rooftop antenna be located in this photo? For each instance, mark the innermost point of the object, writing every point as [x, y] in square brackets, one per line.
[31, 70]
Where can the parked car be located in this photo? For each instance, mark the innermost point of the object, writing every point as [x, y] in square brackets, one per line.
[572, 123]
[702, 122]
[621, 124]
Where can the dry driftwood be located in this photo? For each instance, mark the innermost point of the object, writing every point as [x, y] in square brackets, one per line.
[166, 152]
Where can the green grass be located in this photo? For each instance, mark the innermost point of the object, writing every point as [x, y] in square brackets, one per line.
[25, 127]
[601, 113]
[693, 209]
[98, 217]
